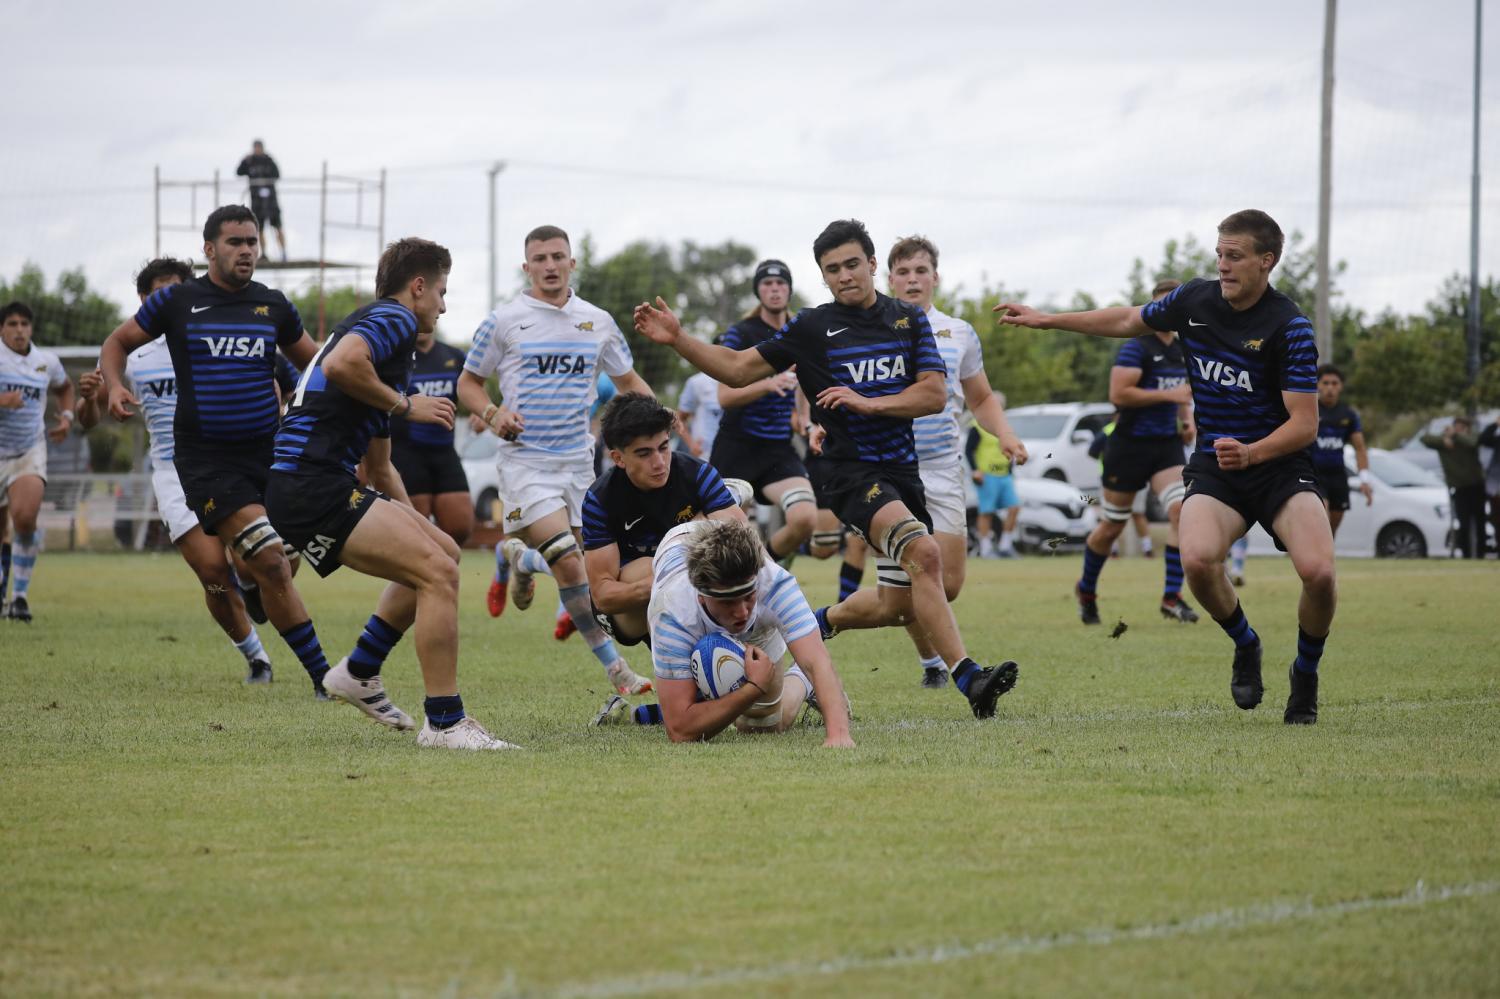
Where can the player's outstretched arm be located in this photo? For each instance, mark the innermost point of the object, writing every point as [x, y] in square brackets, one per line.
[1125, 390]
[126, 337]
[736, 368]
[1120, 321]
[812, 655]
[989, 413]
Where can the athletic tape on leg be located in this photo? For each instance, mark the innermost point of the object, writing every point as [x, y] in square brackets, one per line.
[1116, 514]
[254, 538]
[1172, 494]
[792, 497]
[890, 573]
[900, 534]
[557, 546]
[826, 539]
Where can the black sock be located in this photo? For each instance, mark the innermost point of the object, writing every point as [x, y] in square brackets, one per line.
[850, 576]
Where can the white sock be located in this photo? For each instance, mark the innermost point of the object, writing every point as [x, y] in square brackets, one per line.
[250, 647]
[934, 662]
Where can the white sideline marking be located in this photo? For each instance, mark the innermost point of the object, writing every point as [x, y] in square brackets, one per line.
[1269, 914]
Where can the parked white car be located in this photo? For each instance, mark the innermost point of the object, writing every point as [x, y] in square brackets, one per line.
[477, 453]
[1409, 517]
[1050, 511]
[1057, 436]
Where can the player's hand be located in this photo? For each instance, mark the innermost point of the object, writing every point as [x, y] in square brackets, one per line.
[1017, 314]
[783, 383]
[431, 409]
[1369, 494]
[476, 423]
[91, 385]
[1179, 393]
[841, 742]
[694, 445]
[1014, 449]
[1187, 433]
[120, 401]
[59, 432]
[11, 399]
[978, 477]
[815, 435]
[758, 667]
[507, 424]
[657, 323]
[844, 397]
[1232, 454]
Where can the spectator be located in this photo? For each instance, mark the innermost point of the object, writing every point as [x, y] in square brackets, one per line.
[698, 415]
[262, 171]
[1491, 439]
[1458, 450]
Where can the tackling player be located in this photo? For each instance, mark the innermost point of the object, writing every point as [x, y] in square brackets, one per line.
[1148, 385]
[339, 415]
[1251, 360]
[1338, 424]
[548, 345]
[869, 366]
[423, 452]
[27, 374]
[714, 577]
[150, 378]
[222, 331]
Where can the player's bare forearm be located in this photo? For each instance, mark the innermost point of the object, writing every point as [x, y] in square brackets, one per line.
[632, 382]
[350, 368]
[812, 655]
[381, 472]
[472, 393]
[126, 337]
[732, 398]
[687, 719]
[1361, 452]
[923, 397]
[735, 368]
[1299, 430]
[611, 595]
[1119, 322]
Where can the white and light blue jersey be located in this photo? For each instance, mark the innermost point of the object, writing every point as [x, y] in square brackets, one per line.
[937, 436]
[30, 374]
[547, 359]
[149, 371]
[677, 618]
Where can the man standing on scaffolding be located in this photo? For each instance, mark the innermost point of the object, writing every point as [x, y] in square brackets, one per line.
[262, 171]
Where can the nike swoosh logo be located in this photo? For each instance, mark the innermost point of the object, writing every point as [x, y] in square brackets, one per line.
[631, 523]
[199, 308]
[1306, 482]
[1157, 357]
[837, 332]
[1191, 323]
[527, 326]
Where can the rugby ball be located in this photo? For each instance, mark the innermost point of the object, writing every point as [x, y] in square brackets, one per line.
[718, 663]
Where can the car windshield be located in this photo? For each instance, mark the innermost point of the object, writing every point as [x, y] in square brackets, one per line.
[1399, 473]
[1037, 425]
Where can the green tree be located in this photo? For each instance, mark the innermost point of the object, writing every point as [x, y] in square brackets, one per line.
[337, 303]
[70, 312]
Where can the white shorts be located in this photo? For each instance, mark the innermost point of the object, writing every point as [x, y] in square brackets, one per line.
[171, 503]
[32, 462]
[947, 497]
[527, 493]
[1138, 505]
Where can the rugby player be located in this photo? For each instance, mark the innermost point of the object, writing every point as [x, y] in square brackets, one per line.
[27, 374]
[754, 441]
[424, 453]
[1338, 424]
[1251, 361]
[1149, 388]
[222, 331]
[714, 577]
[869, 366]
[548, 346]
[338, 416]
[150, 378]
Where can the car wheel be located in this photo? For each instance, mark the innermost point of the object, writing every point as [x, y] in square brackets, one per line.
[1055, 474]
[1400, 540]
[485, 507]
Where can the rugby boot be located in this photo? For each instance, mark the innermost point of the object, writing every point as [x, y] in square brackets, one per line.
[1244, 683]
[1302, 705]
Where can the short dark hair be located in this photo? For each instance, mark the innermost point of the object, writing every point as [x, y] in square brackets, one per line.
[909, 246]
[159, 268]
[1328, 369]
[840, 232]
[542, 233]
[1163, 286]
[16, 309]
[1260, 227]
[630, 416]
[409, 258]
[223, 214]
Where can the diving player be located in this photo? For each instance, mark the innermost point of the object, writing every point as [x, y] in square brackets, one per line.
[1251, 360]
[869, 366]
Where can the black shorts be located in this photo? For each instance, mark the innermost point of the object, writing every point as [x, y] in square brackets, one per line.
[1130, 462]
[220, 478]
[315, 514]
[267, 210]
[1334, 485]
[612, 629]
[428, 470]
[856, 490]
[759, 461]
[811, 463]
[1256, 493]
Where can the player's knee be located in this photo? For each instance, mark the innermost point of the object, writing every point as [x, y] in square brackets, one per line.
[1106, 531]
[1319, 579]
[800, 508]
[921, 557]
[436, 571]
[1199, 563]
[214, 579]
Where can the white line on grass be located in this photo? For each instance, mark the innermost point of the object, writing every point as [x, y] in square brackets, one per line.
[1269, 914]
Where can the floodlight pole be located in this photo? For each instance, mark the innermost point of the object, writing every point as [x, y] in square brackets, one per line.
[494, 172]
[1473, 358]
[1322, 321]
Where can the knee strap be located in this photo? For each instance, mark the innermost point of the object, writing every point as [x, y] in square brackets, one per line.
[560, 544]
[899, 535]
[1172, 494]
[890, 573]
[254, 538]
[826, 539]
[1115, 514]
[792, 497]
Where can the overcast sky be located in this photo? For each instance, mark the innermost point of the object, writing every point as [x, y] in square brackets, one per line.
[1042, 145]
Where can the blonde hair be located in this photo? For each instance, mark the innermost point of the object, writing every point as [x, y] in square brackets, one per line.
[723, 554]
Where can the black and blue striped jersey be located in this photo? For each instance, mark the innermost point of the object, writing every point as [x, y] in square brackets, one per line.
[1336, 424]
[770, 416]
[1162, 366]
[223, 346]
[618, 512]
[325, 429]
[1239, 363]
[876, 351]
[433, 374]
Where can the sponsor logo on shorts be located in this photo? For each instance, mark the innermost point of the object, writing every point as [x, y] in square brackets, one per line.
[514, 515]
[262, 310]
[901, 324]
[685, 514]
[587, 326]
[208, 508]
[355, 499]
[317, 549]
[872, 492]
[1254, 344]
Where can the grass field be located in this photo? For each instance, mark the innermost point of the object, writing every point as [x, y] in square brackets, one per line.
[1120, 828]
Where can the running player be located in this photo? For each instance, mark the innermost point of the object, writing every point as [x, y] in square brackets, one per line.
[423, 452]
[869, 366]
[1251, 361]
[1338, 424]
[698, 414]
[548, 346]
[1148, 387]
[222, 331]
[27, 374]
[149, 376]
[714, 578]
[754, 442]
[338, 416]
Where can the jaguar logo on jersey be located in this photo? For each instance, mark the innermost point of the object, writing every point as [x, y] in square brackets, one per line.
[262, 310]
[1223, 374]
[356, 497]
[877, 369]
[872, 492]
[945, 334]
[904, 323]
[236, 346]
[685, 514]
[41, 367]
[562, 364]
[587, 326]
[514, 516]
[451, 362]
[1254, 344]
